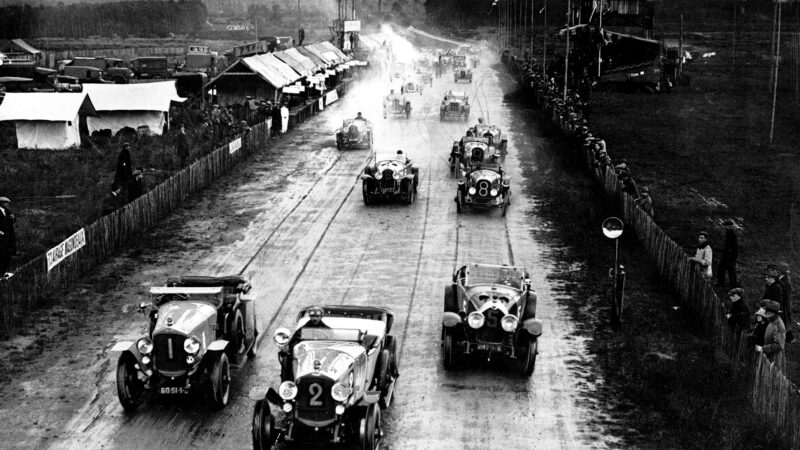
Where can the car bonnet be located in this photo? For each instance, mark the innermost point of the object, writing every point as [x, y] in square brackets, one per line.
[393, 165]
[184, 316]
[481, 294]
[335, 358]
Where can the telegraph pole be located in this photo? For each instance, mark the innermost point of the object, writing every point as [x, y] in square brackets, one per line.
[566, 52]
[600, 49]
[544, 46]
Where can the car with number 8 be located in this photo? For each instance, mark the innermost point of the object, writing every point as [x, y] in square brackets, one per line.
[338, 371]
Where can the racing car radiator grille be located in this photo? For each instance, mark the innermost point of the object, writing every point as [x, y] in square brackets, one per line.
[483, 188]
[168, 353]
[314, 402]
[388, 179]
[491, 331]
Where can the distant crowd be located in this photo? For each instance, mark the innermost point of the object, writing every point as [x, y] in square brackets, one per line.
[769, 328]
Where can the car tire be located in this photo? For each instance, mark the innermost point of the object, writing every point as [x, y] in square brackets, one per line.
[409, 193]
[220, 382]
[130, 389]
[338, 143]
[253, 351]
[384, 378]
[529, 350]
[448, 352]
[505, 205]
[263, 426]
[237, 336]
[459, 201]
[365, 191]
[370, 428]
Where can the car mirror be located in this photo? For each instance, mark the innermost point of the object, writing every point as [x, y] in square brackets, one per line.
[258, 393]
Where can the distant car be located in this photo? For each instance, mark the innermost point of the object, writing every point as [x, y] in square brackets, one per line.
[198, 327]
[86, 74]
[338, 370]
[413, 85]
[490, 310]
[455, 105]
[462, 74]
[151, 67]
[353, 133]
[425, 77]
[469, 152]
[395, 105]
[483, 187]
[390, 177]
[396, 71]
[459, 61]
[493, 133]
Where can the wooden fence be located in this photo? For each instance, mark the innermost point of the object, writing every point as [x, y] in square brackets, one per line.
[33, 285]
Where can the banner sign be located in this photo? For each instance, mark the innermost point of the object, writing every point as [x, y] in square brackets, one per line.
[60, 252]
[352, 25]
[321, 104]
[331, 97]
[234, 146]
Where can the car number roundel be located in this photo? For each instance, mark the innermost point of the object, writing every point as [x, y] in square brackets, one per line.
[493, 317]
[315, 391]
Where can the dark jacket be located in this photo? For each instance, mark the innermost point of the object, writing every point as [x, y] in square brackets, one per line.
[739, 315]
[182, 142]
[757, 335]
[112, 202]
[731, 250]
[124, 171]
[8, 241]
[773, 291]
[786, 300]
[774, 342]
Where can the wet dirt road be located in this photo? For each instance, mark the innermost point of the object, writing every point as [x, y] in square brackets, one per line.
[294, 222]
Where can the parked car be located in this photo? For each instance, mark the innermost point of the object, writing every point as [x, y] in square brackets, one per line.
[469, 152]
[354, 132]
[490, 310]
[396, 105]
[85, 74]
[396, 71]
[338, 370]
[390, 176]
[151, 67]
[455, 105]
[491, 132]
[198, 326]
[113, 68]
[425, 77]
[484, 186]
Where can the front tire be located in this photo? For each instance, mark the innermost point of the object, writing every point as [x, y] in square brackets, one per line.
[409, 195]
[365, 191]
[263, 426]
[220, 383]
[529, 349]
[459, 202]
[370, 428]
[448, 353]
[505, 205]
[130, 389]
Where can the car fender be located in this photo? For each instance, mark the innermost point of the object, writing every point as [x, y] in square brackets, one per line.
[123, 346]
[450, 319]
[218, 346]
[533, 327]
[366, 177]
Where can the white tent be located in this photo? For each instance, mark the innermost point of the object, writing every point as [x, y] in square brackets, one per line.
[46, 120]
[131, 105]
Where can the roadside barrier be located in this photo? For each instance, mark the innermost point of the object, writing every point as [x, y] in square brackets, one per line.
[774, 397]
[33, 285]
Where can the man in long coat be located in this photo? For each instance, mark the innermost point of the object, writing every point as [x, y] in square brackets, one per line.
[8, 238]
[775, 335]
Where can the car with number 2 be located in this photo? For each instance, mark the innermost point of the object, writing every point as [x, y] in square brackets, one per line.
[338, 371]
[198, 326]
[490, 310]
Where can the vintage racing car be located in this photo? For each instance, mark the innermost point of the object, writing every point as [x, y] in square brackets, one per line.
[491, 132]
[462, 74]
[459, 61]
[396, 105]
[198, 327]
[396, 71]
[455, 105]
[390, 176]
[425, 77]
[338, 370]
[490, 310]
[413, 84]
[469, 152]
[484, 187]
[353, 133]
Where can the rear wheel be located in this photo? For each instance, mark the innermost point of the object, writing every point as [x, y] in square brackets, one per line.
[409, 195]
[130, 389]
[384, 377]
[365, 191]
[220, 383]
[263, 426]
[254, 347]
[450, 301]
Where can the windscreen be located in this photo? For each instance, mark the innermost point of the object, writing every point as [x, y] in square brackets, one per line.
[328, 334]
[508, 276]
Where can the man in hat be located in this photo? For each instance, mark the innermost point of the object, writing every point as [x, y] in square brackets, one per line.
[786, 300]
[772, 289]
[124, 172]
[8, 238]
[645, 202]
[737, 312]
[730, 253]
[136, 186]
[182, 145]
[775, 335]
[704, 256]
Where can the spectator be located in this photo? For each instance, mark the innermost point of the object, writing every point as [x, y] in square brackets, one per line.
[182, 144]
[276, 120]
[645, 202]
[216, 121]
[756, 336]
[207, 135]
[124, 172]
[629, 186]
[704, 255]
[737, 312]
[8, 237]
[113, 201]
[775, 335]
[730, 253]
[786, 301]
[136, 186]
[301, 35]
[772, 289]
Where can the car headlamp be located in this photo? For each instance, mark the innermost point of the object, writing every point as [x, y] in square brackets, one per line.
[493, 192]
[509, 323]
[281, 337]
[287, 390]
[145, 346]
[191, 345]
[339, 410]
[475, 319]
[472, 190]
[340, 392]
[378, 175]
[396, 175]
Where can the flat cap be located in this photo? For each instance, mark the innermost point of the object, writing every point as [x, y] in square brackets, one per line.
[5, 200]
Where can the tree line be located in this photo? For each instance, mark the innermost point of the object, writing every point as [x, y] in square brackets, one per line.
[129, 18]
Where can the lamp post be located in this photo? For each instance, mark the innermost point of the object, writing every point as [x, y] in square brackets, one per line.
[612, 229]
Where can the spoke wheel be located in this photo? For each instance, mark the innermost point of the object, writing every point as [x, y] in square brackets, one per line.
[448, 354]
[220, 382]
[130, 389]
[371, 431]
[528, 357]
[263, 426]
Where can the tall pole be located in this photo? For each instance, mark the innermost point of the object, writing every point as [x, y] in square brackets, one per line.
[524, 25]
[733, 39]
[602, 39]
[772, 45]
[544, 45]
[680, 51]
[777, 65]
[566, 52]
[532, 9]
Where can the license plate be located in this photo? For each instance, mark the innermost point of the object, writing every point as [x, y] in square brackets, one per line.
[489, 347]
[170, 390]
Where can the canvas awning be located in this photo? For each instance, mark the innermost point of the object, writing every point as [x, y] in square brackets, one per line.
[319, 62]
[19, 46]
[310, 65]
[332, 48]
[293, 62]
[320, 52]
[266, 66]
[133, 97]
[45, 106]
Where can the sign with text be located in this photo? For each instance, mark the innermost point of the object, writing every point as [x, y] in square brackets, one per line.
[60, 252]
[234, 146]
[331, 97]
[352, 25]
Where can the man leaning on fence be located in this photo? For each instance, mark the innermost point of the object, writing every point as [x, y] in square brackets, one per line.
[8, 238]
[774, 336]
[703, 257]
